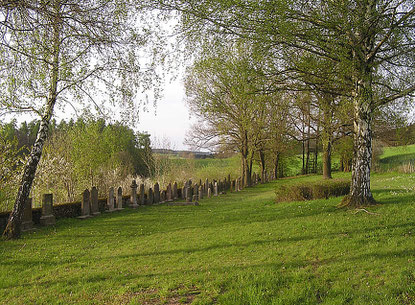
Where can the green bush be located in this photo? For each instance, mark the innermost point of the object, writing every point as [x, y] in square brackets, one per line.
[312, 190]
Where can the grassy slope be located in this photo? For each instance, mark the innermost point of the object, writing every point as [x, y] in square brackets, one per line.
[240, 248]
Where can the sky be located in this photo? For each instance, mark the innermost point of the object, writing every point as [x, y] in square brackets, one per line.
[169, 120]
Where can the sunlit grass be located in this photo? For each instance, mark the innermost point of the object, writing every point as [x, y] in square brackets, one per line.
[240, 248]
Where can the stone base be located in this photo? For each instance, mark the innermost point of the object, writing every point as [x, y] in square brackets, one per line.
[27, 226]
[84, 217]
[119, 209]
[133, 206]
[96, 214]
[48, 220]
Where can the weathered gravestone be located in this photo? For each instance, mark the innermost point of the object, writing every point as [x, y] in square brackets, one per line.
[175, 195]
[209, 193]
[85, 205]
[200, 192]
[188, 194]
[47, 218]
[195, 191]
[142, 195]
[133, 197]
[156, 193]
[119, 199]
[206, 186]
[110, 200]
[216, 193]
[150, 197]
[169, 193]
[27, 221]
[94, 202]
[163, 195]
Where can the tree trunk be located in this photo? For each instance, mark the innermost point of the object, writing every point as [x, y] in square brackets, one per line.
[13, 228]
[262, 158]
[360, 193]
[327, 160]
[277, 161]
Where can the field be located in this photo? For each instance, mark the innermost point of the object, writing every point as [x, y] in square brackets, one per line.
[239, 248]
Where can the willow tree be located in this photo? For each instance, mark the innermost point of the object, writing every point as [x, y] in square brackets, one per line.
[62, 51]
[370, 42]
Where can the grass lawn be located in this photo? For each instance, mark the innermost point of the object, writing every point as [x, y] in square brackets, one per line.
[240, 248]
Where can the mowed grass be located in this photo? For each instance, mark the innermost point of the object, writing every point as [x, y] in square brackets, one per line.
[239, 248]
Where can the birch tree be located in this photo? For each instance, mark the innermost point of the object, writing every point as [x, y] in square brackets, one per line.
[63, 51]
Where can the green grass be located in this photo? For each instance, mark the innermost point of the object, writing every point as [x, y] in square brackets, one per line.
[393, 157]
[240, 248]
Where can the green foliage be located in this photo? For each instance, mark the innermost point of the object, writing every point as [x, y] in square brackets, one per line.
[90, 153]
[11, 163]
[312, 190]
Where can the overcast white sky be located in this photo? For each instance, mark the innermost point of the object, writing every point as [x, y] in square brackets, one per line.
[170, 120]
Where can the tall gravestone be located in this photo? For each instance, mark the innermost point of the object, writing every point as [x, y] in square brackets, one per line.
[209, 193]
[163, 196]
[150, 197]
[85, 205]
[156, 193]
[216, 193]
[169, 193]
[94, 202]
[133, 197]
[110, 200]
[188, 194]
[142, 195]
[200, 192]
[27, 220]
[119, 199]
[237, 185]
[47, 218]
[195, 192]
[206, 186]
[175, 195]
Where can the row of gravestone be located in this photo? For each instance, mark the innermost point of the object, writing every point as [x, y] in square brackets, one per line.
[190, 192]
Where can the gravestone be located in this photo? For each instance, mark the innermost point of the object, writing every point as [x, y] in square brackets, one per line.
[200, 192]
[150, 197]
[156, 193]
[175, 195]
[183, 192]
[119, 199]
[237, 185]
[27, 220]
[206, 186]
[47, 218]
[229, 181]
[133, 197]
[216, 193]
[188, 194]
[195, 192]
[110, 200]
[209, 193]
[142, 195]
[163, 196]
[94, 202]
[85, 205]
[169, 193]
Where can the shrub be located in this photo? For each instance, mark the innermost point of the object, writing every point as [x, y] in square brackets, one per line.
[312, 190]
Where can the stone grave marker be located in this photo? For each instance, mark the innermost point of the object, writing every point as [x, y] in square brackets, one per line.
[47, 218]
[110, 200]
[85, 205]
[142, 195]
[27, 220]
[133, 197]
[94, 202]
[119, 199]
[156, 193]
